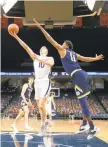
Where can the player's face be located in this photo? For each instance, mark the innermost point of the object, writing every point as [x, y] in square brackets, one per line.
[43, 51]
[31, 81]
[64, 45]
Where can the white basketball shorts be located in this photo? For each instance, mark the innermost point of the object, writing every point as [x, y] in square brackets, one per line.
[42, 88]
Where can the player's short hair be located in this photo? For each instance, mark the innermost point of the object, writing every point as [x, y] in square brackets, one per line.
[69, 43]
[44, 47]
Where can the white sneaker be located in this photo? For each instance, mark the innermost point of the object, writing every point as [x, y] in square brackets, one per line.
[14, 128]
[44, 128]
[83, 129]
[42, 131]
[92, 133]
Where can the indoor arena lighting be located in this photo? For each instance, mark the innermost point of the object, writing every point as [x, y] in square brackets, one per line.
[7, 4]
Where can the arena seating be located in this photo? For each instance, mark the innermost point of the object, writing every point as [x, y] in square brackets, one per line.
[65, 104]
[7, 94]
[14, 107]
[104, 101]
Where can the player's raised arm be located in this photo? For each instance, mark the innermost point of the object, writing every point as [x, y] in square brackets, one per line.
[24, 45]
[34, 56]
[48, 37]
[90, 59]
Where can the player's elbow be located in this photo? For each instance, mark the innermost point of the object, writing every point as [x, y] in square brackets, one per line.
[51, 64]
[33, 56]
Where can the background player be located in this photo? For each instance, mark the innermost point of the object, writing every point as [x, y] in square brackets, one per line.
[50, 101]
[25, 102]
[79, 77]
[42, 67]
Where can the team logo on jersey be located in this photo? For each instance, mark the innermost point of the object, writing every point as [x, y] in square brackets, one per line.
[78, 90]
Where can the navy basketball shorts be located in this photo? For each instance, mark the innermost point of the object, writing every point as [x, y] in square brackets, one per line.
[81, 83]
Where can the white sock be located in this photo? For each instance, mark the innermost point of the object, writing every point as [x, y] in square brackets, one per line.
[26, 125]
[42, 122]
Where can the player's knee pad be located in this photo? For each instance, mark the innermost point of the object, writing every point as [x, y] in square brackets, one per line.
[84, 106]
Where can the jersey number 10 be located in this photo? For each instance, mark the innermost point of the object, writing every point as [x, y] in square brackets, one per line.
[41, 65]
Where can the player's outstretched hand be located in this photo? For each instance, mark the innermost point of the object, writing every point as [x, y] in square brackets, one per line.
[36, 22]
[13, 34]
[99, 57]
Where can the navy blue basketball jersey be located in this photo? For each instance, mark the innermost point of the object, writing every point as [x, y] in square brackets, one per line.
[70, 62]
[27, 92]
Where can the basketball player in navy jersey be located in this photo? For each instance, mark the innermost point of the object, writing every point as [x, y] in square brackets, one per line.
[79, 77]
[25, 102]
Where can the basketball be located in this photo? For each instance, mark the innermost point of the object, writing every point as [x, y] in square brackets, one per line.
[13, 28]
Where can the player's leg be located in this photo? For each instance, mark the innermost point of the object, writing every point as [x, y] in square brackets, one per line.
[19, 116]
[86, 114]
[39, 97]
[49, 112]
[26, 117]
[82, 90]
[42, 92]
[92, 129]
[50, 116]
[42, 108]
[38, 89]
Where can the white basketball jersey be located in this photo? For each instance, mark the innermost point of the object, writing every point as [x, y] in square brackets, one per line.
[41, 70]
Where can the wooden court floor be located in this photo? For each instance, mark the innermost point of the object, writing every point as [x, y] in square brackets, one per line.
[57, 126]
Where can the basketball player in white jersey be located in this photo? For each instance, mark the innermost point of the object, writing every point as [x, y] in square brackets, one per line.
[42, 67]
[50, 101]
